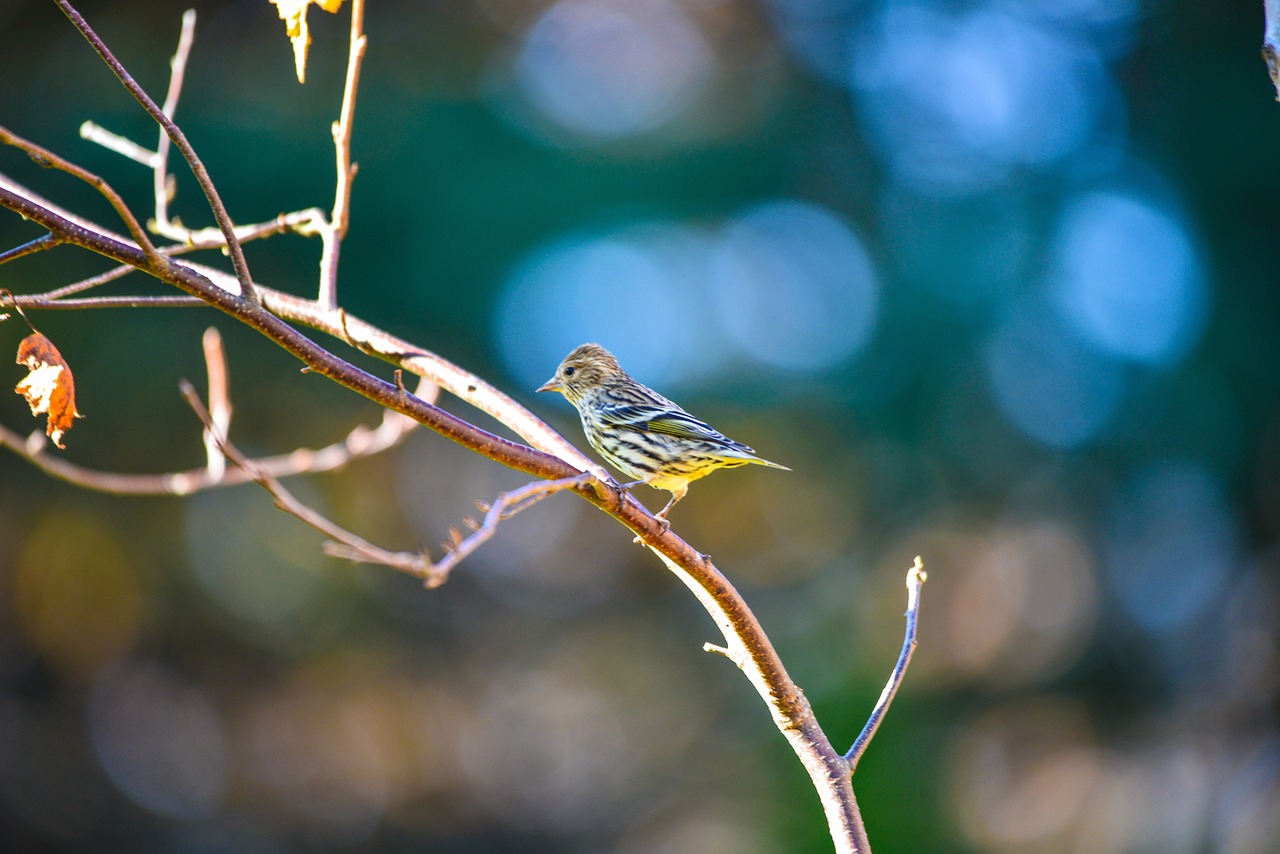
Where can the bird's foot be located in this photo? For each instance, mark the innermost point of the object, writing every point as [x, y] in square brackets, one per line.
[621, 490]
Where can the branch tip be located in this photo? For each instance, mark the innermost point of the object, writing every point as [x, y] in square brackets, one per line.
[915, 579]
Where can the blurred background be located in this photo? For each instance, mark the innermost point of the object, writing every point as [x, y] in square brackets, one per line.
[997, 279]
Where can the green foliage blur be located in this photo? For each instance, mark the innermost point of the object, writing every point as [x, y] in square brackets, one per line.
[995, 279]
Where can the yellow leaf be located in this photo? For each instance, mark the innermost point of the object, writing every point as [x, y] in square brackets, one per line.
[294, 15]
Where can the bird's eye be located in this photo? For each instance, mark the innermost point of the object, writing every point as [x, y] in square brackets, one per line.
[568, 372]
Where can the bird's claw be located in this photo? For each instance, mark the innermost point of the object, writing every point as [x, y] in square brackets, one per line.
[619, 490]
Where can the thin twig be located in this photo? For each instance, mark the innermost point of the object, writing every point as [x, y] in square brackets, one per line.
[213, 238]
[202, 240]
[56, 298]
[916, 577]
[457, 548]
[39, 300]
[40, 244]
[121, 145]
[47, 158]
[179, 139]
[307, 222]
[345, 544]
[215, 361]
[417, 565]
[161, 179]
[361, 442]
[83, 285]
[189, 241]
[111, 302]
[332, 235]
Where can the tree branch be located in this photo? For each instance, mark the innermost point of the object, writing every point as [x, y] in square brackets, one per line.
[316, 358]
[916, 577]
[457, 548]
[162, 181]
[48, 159]
[179, 139]
[332, 234]
[350, 329]
[417, 565]
[40, 244]
[360, 442]
[215, 362]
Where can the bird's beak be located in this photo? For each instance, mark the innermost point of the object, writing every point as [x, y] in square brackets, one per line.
[552, 384]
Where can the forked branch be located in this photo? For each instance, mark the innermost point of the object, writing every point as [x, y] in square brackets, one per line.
[179, 139]
[417, 565]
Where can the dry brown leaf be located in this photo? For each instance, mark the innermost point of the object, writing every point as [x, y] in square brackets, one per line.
[294, 15]
[49, 388]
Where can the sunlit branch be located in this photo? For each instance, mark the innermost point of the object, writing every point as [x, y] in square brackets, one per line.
[158, 162]
[162, 301]
[361, 442]
[916, 577]
[440, 372]
[308, 222]
[332, 234]
[56, 298]
[203, 240]
[219, 402]
[791, 711]
[123, 146]
[161, 179]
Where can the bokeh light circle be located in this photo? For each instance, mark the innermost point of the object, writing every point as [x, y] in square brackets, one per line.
[955, 101]
[160, 740]
[793, 286]
[629, 291]
[1128, 278]
[612, 68]
[1046, 383]
[1169, 545]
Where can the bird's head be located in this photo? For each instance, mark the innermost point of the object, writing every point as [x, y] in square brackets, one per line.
[584, 369]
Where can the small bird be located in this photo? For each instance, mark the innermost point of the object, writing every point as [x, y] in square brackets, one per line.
[638, 431]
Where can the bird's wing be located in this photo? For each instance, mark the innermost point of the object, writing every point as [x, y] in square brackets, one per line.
[671, 422]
